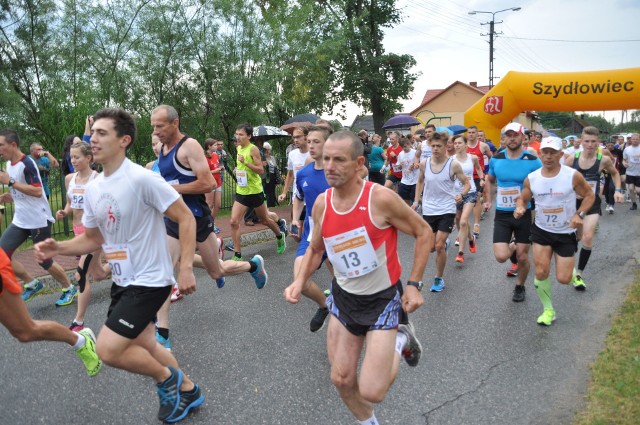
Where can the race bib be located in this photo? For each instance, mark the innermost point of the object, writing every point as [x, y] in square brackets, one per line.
[77, 198]
[551, 217]
[593, 186]
[396, 167]
[507, 196]
[351, 253]
[635, 159]
[241, 177]
[173, 182]
[119, 258]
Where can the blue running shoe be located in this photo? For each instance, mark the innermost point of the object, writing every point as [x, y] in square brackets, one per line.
[216, 230]
[67, 296]
[188, 400]
[260, 275]
[220, 282]
[29, 293]
[165, 342]
[169, 393]
[438, 285]
[282, 225]
[231, 247]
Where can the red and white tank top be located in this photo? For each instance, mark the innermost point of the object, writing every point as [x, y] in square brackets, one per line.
[477, 152]
[364, 255]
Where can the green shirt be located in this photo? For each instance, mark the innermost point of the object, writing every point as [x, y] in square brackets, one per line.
[248, 181]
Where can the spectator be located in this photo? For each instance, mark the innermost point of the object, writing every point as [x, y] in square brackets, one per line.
[214, 198]
[66, 166]
[45, 162]
[272, 177]
[377, 157]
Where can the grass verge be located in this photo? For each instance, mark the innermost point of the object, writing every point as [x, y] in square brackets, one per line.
[613, 396]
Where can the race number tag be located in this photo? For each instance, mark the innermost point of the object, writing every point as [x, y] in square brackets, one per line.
[173, 182]
[119, 258]
[241, 177]
[635, 159]
[77, 198]
[351, 253]
[507, 196]
[551, 217]
[396, 167]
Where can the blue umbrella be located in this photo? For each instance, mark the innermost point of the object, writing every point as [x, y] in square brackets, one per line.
[401, 121]
[571, 136]
[552, 134]
[445, 130]
[457, 129]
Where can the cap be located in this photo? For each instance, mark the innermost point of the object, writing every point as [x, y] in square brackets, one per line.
[267, 145]
[551, 142]
[514, 126]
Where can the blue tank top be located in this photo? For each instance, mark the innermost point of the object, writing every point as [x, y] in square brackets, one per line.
[311, 184]
[175, 173]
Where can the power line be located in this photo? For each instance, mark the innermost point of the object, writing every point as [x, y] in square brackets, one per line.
[574, 41]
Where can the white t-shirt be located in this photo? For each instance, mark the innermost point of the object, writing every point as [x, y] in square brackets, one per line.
[30, 212]
[632, 155]
[128, 209]
[295, 162]
[409, 176]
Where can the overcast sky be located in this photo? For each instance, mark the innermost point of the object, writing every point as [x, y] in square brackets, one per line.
[446, 42]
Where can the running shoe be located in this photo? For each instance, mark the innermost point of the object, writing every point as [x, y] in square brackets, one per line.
[282, 225]
[237, 258]
[318, 319]
[476, 230]
[260, 275]
[460, 257]
[29, 293]
[67, 296]
[518, 294]
[412, 351]
[169, 393]
[438, 285]
[188, 400]
[230, 247]
[578, 282]
[513, 271]
[175, 294]
[220, 282]
[87, 353]
[281, 244]
[216, 230]
[165, 342]
[75, 326]
[547, 317]
[634, 207]
[326, 292]
[457, 242]
[472, 245]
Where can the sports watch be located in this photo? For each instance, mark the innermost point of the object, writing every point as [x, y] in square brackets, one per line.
[417, 285]
[11, 182]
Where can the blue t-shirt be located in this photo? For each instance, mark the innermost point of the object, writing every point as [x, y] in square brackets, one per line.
[375, 158]
[510, 173]
[311, 183]
[44, 165]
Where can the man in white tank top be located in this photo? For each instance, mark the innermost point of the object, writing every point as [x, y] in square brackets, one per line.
[554, 187]
[436, 188]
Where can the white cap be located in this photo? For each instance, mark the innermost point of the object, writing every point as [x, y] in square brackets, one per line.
[267, 145]
[514, 126]
[551, 142]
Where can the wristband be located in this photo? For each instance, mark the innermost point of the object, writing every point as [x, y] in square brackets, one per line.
[618, 190]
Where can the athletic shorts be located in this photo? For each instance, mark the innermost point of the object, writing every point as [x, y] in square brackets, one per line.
[506, 225]
[469, 198]
[302, 249]
[78, 229]
[634, 180]
[363, 313]
[8, 279]
[204, 227]
[479, 188]
[134, 307]
[14, 236]
[250, 201]
[596, 208]
[440, 223]
[563, 244]
[394, 179]
[407, 192]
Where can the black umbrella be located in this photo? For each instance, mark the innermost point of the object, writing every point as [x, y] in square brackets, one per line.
[268, 132]
[312, 118]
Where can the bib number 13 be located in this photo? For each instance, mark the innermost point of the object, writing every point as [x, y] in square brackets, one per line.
[351, 259]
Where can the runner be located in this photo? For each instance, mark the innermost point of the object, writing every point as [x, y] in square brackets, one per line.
[631, 162]
[32, 217]
[91, 264]
[366, 301]
[214, 198]
[590, 163]
[424, 151]
[436, 187]
[481, 150]
[508, 169]
[123, 212]
[468, 162]
[296, 159]
[407, 185]
[553, 233]
[392, 152]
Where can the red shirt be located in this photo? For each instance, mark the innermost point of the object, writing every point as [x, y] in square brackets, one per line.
[394, 159]
[214, 163]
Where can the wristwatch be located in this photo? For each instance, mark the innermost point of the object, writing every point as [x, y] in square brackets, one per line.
[581, 214]
[11, 182]
[417, 285]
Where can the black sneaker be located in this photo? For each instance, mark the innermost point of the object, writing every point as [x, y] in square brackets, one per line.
[317, 322]
[169, 393]
[518, 294]
[413, 350]
[188, 400]
[634, 207]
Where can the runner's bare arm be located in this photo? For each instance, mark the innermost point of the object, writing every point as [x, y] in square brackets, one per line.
[86, 243]
[584, 191]
[489, 181]
[419, 187]
[607, 165]
[192, 155]
[523, 199]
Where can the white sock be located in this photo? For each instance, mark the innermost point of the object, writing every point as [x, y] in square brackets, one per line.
[80, 342]
[401, 341]
[371, 421]
[32, 284]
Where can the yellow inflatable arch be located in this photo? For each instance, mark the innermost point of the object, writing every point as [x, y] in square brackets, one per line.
[556, 91]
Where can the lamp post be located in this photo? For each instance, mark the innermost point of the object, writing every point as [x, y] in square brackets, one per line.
[491, 34]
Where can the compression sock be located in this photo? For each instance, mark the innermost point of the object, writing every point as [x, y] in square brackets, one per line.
[543, 288]
[585, 253]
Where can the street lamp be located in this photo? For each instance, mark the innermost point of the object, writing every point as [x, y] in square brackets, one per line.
[491, 34]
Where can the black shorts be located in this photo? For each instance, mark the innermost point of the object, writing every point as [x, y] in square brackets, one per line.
[440, 223]
[363, 313]
[407, 192]
[376, 177]
[204, 227]
[479, 188]
[134, 307]
[563, 244]
[506, 225]
[596, 208]
[393, 179]
[634, 180]
[251, 201]
[14, 236]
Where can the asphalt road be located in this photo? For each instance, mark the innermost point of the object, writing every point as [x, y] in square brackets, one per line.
[485, 360]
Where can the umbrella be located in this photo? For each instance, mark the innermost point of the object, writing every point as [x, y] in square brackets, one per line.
[457, 129]
[445, 129]
[552, 134]
[401, 121]
[570, 136]
[268, 132]
[301, 120]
